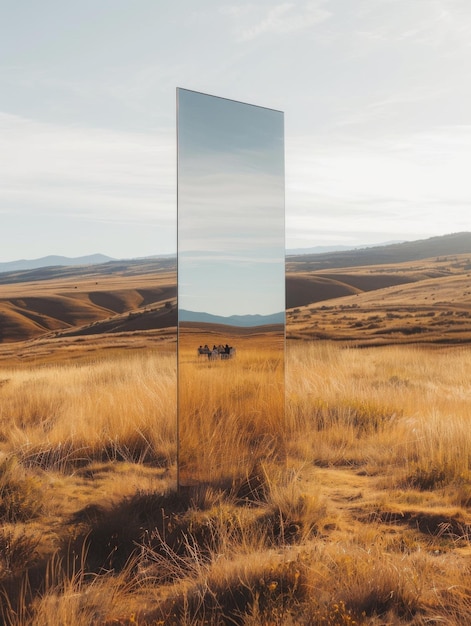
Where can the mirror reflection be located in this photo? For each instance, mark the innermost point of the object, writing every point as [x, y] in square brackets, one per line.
[231, 293]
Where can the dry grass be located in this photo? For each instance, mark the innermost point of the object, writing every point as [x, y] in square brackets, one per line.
[400, 407]
[364, 520]
[427, 301]
[59, 417]
[231, 412]
[50, 306]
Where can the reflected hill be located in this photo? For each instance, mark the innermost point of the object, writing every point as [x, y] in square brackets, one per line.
[231, 320]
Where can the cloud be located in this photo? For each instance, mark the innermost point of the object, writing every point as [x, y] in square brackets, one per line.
[434, 23]
[415, 183]
[100, 174]
[256, 20]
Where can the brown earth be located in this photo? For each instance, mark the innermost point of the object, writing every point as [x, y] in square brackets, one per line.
[424, 301]
[70, 306]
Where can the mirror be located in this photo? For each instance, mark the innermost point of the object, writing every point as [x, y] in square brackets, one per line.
[231, 287]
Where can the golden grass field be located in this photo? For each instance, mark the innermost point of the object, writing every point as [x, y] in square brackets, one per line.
[214, 443]
[351, 507]
[365, 519]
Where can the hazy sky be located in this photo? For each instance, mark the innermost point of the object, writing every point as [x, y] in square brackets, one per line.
[376, 95]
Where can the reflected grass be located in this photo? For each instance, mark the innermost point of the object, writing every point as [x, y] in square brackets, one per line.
[231, 412]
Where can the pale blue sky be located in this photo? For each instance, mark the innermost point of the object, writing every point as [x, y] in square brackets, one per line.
[375, 93]
[231, 219]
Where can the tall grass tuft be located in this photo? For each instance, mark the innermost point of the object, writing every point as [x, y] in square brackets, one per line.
[21, 492]
[61, 417]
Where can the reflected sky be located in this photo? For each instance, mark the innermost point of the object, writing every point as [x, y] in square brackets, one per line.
[230, 206]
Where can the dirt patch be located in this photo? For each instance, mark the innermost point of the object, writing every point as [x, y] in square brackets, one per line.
[428, 523]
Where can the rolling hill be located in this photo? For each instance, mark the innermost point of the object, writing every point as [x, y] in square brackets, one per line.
[51, 261]
[134, 267]
[104, 298]
[444, 246]
[337, 295]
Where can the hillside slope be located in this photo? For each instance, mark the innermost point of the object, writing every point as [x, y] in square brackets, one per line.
[444, 246]
[140, 295]
[77, 305]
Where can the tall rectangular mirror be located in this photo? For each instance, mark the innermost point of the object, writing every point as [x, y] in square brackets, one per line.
[231, 286]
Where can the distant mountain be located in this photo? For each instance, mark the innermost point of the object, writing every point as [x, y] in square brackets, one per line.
[109, 268]
[232, 320]
[53, 261]
[315, 258]
[326, 249]
[442, 246]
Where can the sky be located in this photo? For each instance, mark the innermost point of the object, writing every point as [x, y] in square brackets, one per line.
[376, 97]
[231, 222]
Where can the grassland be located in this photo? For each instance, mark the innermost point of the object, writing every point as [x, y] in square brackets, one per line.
[351, 507]
[365, 519]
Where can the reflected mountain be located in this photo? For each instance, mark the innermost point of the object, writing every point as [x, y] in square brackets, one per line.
[232, 320]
